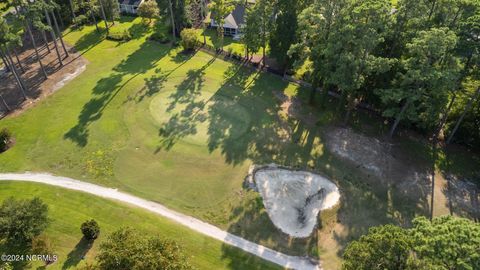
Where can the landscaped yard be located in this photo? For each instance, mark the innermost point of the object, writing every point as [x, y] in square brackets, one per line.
[229, 44]
[69, 209]
[183, 129]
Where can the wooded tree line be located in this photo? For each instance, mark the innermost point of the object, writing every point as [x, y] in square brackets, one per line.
[443, 243]
[417, 62]
[414, 61]
[36, 17]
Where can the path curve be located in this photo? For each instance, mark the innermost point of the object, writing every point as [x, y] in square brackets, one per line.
[197, 225]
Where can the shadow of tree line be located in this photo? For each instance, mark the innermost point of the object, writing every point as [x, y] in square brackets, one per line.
[269, 138]
[273, 138]
[107, 89]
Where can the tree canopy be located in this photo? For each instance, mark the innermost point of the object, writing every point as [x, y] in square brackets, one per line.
[22, 220]
[443, 243]
[127, 249]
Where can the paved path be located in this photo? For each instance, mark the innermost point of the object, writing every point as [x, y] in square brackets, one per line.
[281, 259]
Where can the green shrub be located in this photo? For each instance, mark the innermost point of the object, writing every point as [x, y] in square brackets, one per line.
[128, 249]
[188, 39]
[119, 35]
[81, 20]
[90, 229]
[5, 139]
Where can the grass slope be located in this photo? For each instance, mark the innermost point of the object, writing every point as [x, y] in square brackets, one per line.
[68, 209]
[182, 129]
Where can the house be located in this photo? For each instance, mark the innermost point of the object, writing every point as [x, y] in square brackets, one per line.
[234, 21]
[129, 6]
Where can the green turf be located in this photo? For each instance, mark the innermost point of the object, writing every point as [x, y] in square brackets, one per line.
[229, 44]
[182, 129]
[68, 209]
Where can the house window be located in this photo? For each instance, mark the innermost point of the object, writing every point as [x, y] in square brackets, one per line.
[230, 31]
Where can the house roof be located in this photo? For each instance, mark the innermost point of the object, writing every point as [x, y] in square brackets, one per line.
[130, 2]
[237, 17]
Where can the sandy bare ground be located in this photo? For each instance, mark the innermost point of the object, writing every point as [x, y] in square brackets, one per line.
[38, 87]
[451, 195]
[265, 253]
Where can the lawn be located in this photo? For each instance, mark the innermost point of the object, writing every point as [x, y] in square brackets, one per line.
[68, 209]
[183, 129]
[229, 45]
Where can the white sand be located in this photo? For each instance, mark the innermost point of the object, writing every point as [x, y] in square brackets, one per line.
[286, 261]
[293, 199]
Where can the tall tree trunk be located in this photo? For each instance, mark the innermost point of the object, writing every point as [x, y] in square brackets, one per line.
[74, 19]
[221, 32]
[7, 67]
[325, 91]
[18, 60]
[398, 119]
[5, 103]
[54, 38]
[313, 92]
[350, 107]
[56, 13]
[203, 22]
[264, 63]
[45, 39]
[59, 35]
[443, 120]
[172, 17]
[434, 158]
[92, 15]
[103, 15]
[18, 79]
[460, 120]
[29, 30]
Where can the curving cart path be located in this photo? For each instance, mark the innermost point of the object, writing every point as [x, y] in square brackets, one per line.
[291, 262]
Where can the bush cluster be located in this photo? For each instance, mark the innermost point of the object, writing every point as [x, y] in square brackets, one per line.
[81, 20]
[188, 39]
[5, 139]
[90, 229]
[116, 35]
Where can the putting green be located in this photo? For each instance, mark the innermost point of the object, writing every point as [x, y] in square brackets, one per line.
[190, 118]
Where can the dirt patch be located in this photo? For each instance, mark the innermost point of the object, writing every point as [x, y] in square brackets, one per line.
[292, 107]
[463, 197]
[390, 167]
[378, 159]
[38, 87]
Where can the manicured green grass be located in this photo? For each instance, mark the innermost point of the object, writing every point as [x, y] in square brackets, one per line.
[68, 209]
[182, 129]
[229, 45]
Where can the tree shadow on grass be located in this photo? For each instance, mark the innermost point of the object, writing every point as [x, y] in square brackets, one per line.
[78, 253]
[89, 41]
[137, 63]
[184, 122]
[249, 121]
[138, 30]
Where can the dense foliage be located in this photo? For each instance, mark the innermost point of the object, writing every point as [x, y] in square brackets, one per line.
[443, 243]
[5, 139]
[22, 220]
[90, 229]
[126, 249]
[189, 39]
[148, 10]
[415, 62]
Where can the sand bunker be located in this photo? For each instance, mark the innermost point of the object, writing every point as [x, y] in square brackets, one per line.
[293, 199]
